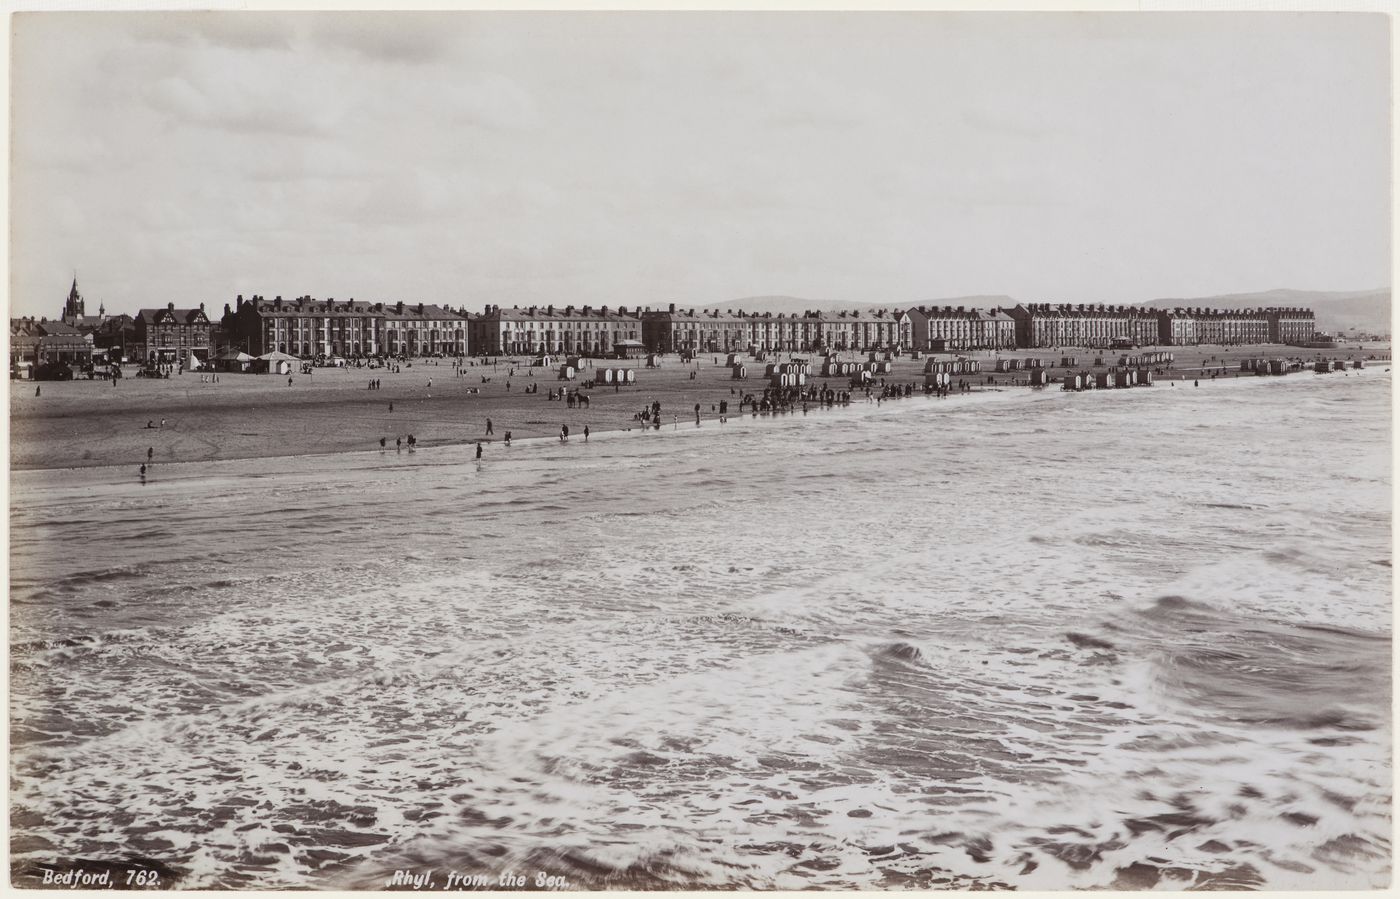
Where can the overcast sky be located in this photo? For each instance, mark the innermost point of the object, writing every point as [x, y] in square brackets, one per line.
[643, 158]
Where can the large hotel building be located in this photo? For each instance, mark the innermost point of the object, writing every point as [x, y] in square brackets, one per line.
[330, 327]
[1063, 324]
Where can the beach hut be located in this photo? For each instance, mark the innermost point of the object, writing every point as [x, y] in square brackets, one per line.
[1039, 377]
[604, 376]
[1359, 363]
[1144, 377]
[1338, 365]
[631, 376]
[653, 360]
[1072, 382]
[567, 372]
[1321, 368]
[738, 372]
[935, 380]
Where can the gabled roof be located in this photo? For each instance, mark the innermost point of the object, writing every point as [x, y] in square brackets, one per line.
[186, 316]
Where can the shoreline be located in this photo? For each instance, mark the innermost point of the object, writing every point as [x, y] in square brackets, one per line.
[93, 425]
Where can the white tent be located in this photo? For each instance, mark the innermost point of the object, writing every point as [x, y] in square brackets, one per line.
[234, 360]
[279, 363]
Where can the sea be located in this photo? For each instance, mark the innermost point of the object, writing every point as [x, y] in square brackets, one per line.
[1015, 639]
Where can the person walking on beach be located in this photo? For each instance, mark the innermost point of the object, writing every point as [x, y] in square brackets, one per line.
[143, 470]
[489, 429]
[36, 390]
[398, 444]
[383, 441]
[150, 453]
[478, 450]
[564, 434]
[507, 438]
[391, 407]
[585, 433]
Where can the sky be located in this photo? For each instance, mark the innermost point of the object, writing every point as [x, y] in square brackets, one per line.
[645, 158]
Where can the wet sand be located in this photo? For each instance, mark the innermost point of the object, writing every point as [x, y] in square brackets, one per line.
[92, 423]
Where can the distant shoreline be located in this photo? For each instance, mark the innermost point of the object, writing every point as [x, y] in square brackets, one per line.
[93, 424]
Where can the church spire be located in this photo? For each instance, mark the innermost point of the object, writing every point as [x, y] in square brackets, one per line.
[73, 309]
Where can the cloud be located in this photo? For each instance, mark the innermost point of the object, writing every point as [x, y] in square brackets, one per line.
[237, 96]
[240, 30]
[397, 38]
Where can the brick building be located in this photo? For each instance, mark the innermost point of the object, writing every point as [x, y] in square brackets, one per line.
[569, 330]
[170, 335]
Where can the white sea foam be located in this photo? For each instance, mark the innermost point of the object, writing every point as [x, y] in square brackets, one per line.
[1137, 638]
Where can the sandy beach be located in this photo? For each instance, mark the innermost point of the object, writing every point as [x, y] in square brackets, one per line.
[94, 423]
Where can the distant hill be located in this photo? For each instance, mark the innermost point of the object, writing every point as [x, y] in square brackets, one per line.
[1337, 310]
[979, 301]
[792, 305]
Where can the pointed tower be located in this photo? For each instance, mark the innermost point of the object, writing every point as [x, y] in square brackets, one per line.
[73, 309]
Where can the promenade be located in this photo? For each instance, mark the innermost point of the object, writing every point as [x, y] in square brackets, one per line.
[91, 423]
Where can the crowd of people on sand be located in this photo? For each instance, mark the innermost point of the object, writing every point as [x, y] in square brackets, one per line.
[772, 400]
